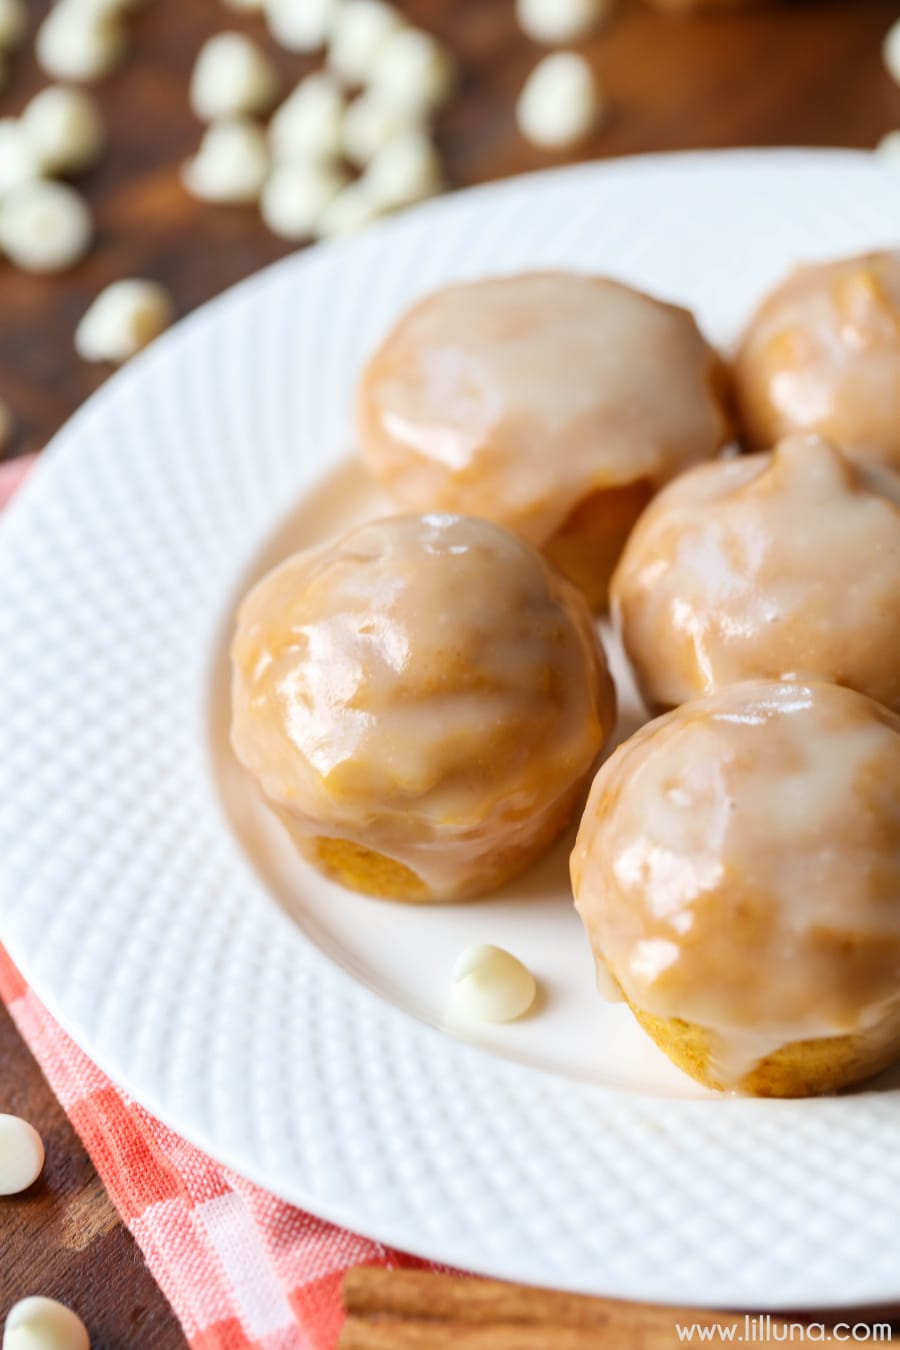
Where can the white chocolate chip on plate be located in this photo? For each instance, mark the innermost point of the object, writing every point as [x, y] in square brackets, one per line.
[65, 129]
[43, 1324]
[561, 102]
[309, 124]
[231, 165]
[301, 25]
[361, 29]
[45, 227]
[297, 196]
[124, 319]
[78, 41]
[21, 1152]
[232, 76]
[13, 23]
[19, 161]
[556, 21]
[490, 985]
[413, 70]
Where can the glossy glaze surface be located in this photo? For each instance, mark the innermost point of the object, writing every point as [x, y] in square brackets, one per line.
[427, 687]
[784, 564]
[822, 353]
[516, 399]
[738, 867]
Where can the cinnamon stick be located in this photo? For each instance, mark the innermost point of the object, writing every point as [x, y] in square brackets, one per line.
[376, 1333]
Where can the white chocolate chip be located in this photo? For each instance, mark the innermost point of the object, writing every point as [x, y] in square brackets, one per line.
[406, 170]
[370, 124]
[556, 21]
[232, 164]
[301, 25]
[561, 103]
[6, 426]
[309, 123]
[123, 319]
[19, 161]
[490, 985]
[891, 51]
[414, 71]
[65, 129]
[888, 149]
[232, 76]
[21, 1147]
[13, 23]
[297, 196]
[43, 1324]
[349, 212]
[361, 29]
[45, 227]
[79, 42]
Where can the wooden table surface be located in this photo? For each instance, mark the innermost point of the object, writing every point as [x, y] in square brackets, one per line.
[798, 74]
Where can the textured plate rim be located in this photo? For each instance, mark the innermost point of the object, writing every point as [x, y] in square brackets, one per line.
[42, 484]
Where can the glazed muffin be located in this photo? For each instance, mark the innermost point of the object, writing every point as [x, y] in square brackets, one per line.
[737, 871]
[822, 354]
[552, 403]
[421, 703]
[784, 564]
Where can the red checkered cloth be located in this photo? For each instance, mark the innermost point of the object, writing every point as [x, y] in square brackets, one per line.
[240, 1268]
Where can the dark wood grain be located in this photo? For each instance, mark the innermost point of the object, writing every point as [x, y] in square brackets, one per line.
[799, 73]
[63, 1238]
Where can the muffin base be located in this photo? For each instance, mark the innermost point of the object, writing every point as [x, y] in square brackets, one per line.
[590, 541]
[802, 1069]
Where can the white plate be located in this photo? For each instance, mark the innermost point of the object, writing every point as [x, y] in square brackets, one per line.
[292, 1029]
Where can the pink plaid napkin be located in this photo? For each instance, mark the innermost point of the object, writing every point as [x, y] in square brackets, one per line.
[241, 1269]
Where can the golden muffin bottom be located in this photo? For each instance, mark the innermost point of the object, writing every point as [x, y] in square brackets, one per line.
[809, 1068]
[369, 872]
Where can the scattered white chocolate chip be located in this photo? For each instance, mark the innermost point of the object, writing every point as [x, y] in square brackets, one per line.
[232, 164]
[232, 76]
[78, 41]
[45, 227]
[301, 25]
[413, 70]
[561, 103]
[490, 985]
[556, 21]
[888, 149]
[350, 211]
[19, 162]
[361, 29]
[6, 425]
[21, 1147]
[405, 170]
[297, 196]
[123, 319]
[370, 123]
[309, 123]
[13, 23]
[43, 1324]
[891, 51]
[65, 129]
